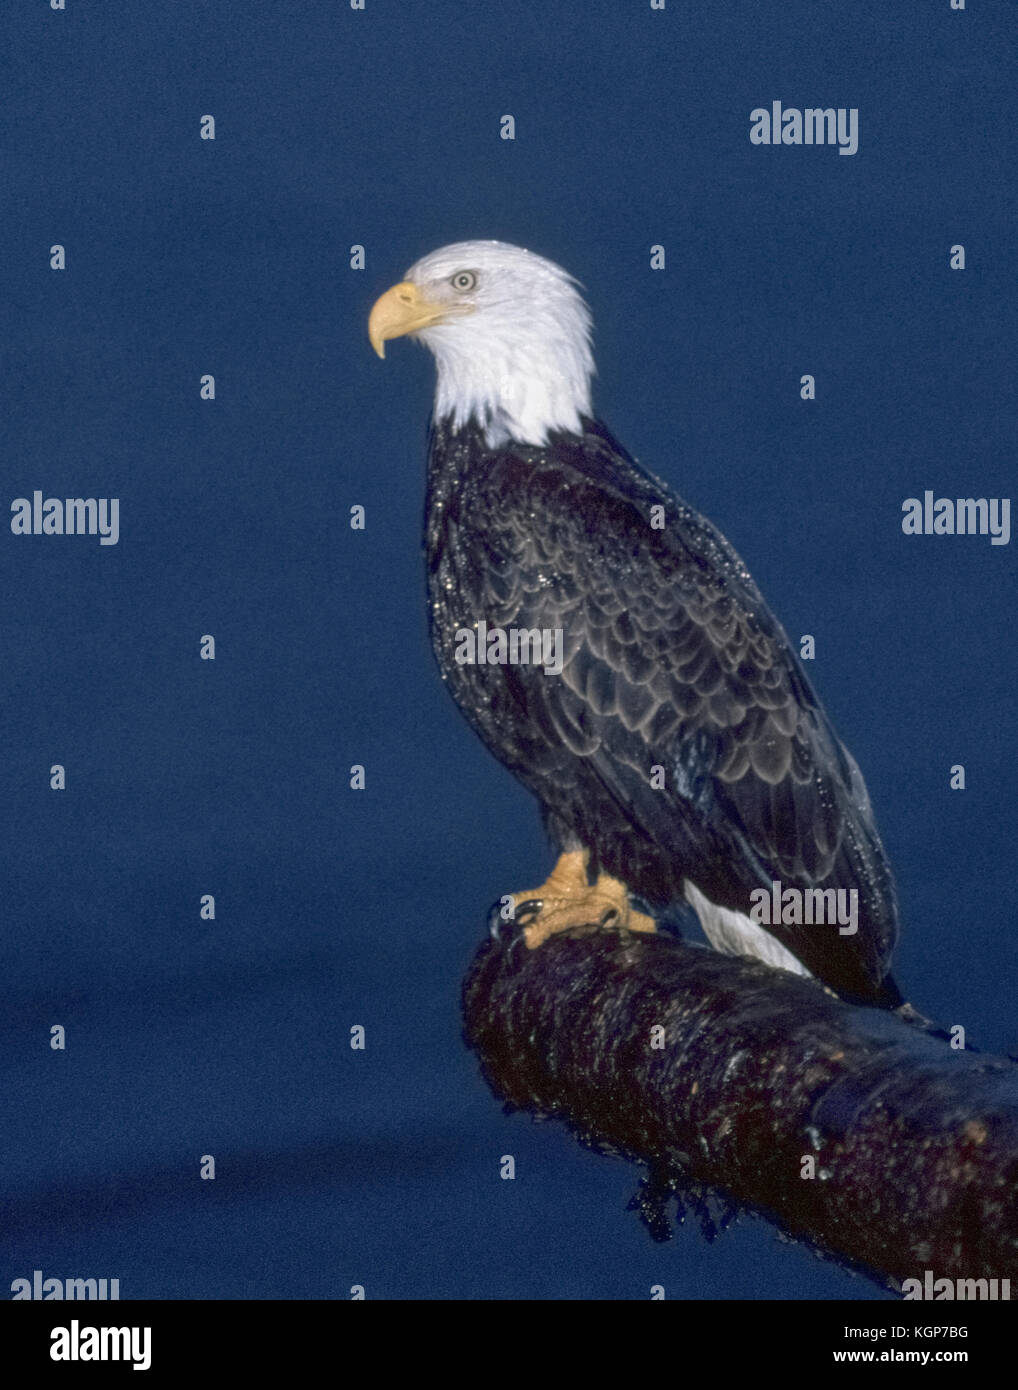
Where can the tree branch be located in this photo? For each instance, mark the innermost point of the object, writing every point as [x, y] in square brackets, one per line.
[914, 1146]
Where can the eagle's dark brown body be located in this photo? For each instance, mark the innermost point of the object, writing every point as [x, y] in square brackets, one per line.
[672, 660]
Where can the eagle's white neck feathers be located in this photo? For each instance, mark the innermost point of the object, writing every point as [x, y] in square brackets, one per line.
[514, 352]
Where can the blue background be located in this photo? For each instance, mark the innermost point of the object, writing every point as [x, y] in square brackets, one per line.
[184, 777]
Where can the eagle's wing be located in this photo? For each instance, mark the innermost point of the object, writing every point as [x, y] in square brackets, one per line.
[672, 661]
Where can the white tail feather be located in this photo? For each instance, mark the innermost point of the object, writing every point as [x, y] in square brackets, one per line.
[734, 934]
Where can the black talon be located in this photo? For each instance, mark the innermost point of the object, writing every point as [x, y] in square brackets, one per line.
[502, 928]
[529, 911]
[496, 921]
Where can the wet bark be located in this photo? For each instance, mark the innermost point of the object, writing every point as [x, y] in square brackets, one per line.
[741, 1086]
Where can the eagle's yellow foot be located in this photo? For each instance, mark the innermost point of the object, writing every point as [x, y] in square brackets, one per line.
[567, 901]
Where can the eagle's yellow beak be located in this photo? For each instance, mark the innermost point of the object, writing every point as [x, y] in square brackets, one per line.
[403, 309]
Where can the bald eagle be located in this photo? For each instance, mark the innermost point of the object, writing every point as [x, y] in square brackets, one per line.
[679, 753]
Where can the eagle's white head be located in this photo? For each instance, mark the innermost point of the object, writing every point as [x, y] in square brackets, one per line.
[510, 334]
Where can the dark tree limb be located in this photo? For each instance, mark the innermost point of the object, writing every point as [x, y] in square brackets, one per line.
[914, 1145]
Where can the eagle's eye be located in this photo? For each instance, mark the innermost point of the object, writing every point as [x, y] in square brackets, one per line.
[464, 280]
